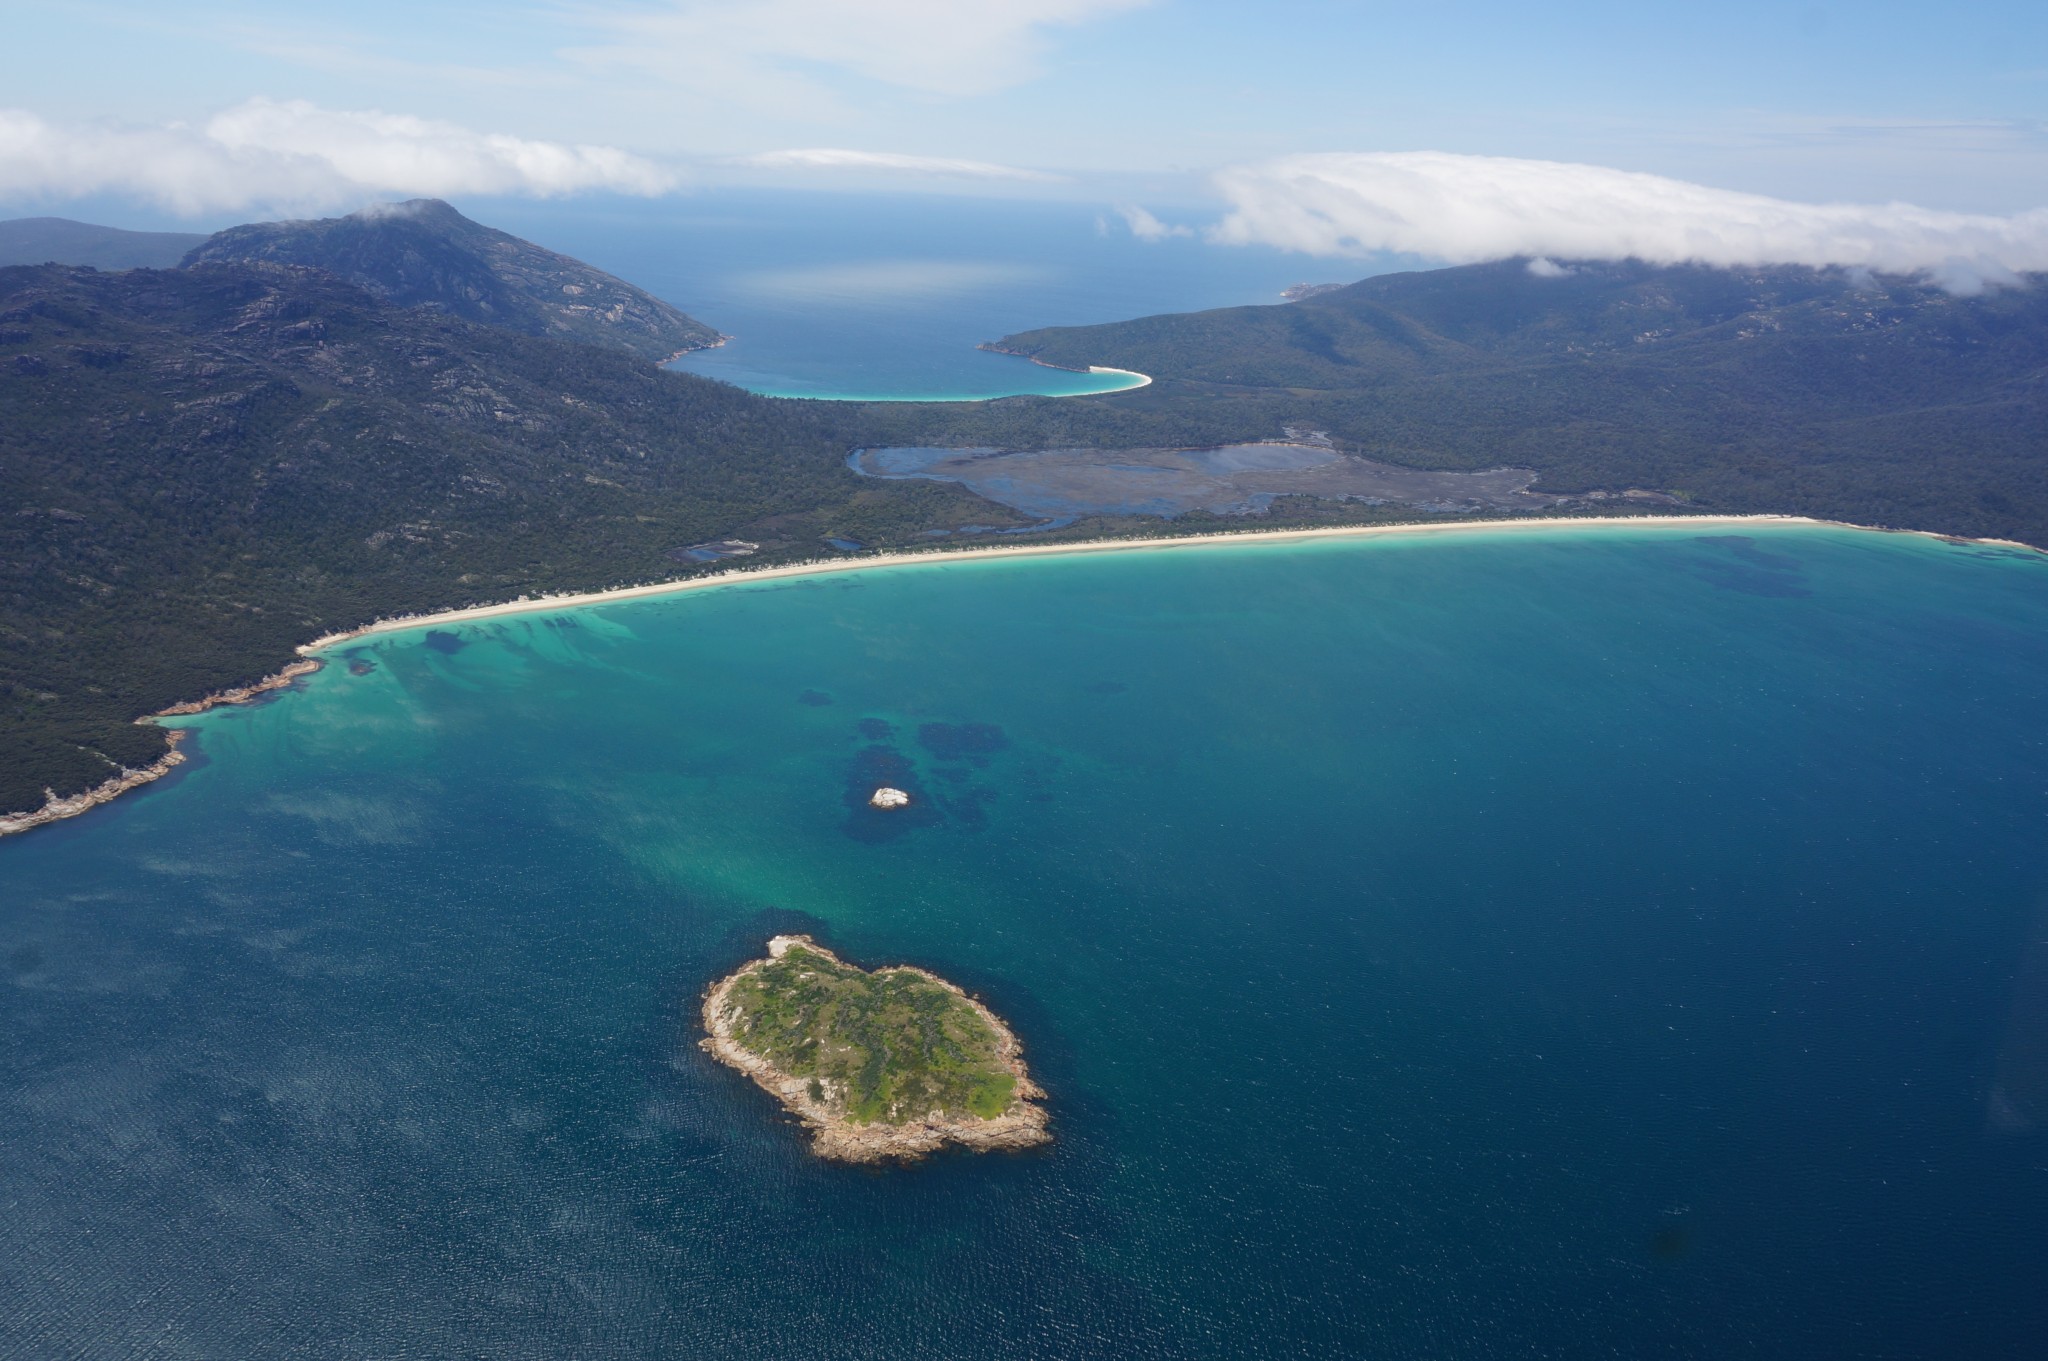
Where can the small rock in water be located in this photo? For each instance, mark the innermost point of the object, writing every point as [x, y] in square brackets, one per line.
[885, 797]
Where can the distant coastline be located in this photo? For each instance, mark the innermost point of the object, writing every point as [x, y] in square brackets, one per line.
[59, 809]
[693, 349]
[1137, 380]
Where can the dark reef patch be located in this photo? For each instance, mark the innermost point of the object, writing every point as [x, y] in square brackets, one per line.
[876, 766]
[876, 729]
[440, 640]
[1735, 563]
[817, 699]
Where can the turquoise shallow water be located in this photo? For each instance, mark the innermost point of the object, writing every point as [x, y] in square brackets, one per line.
[1578, 942]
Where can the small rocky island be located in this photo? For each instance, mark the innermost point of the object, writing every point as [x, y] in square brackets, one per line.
[890, 1064]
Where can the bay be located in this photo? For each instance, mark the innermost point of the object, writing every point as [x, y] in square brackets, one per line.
[1609, 940]
[894, 292]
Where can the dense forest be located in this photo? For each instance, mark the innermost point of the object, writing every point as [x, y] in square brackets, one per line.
[1818, 392]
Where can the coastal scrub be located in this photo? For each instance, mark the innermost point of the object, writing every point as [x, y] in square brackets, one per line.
[892, 1063]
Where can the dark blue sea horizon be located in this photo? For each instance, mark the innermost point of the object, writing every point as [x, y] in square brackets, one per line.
[1617, 941]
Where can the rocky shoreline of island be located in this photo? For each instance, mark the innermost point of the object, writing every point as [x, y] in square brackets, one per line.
[840, 1140]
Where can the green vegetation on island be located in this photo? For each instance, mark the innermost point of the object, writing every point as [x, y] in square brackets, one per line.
[888, 1063]
[886, 1046]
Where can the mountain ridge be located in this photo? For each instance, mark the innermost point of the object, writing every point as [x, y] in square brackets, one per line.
[424, 253]
[64, 241]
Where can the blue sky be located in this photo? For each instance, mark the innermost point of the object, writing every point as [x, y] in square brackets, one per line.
[1118, 100]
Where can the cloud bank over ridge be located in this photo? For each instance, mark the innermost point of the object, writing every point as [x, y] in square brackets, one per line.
[295, 156]
[1466, 209]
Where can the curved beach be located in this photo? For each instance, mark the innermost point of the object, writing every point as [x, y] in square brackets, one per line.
[743, 576]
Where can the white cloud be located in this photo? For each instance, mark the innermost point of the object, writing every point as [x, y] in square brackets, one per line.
[836, 158]
[942, 47]
[294, 155]
[1470, 208]
[1146, 227]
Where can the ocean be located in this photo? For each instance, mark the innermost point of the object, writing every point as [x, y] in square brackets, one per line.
[894, 292]
[1618, 941]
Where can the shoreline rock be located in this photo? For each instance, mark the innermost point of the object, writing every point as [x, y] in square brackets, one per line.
[56, 809]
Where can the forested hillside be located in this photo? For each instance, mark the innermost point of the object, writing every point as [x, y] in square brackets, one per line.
[1882, 401]
[202, 468]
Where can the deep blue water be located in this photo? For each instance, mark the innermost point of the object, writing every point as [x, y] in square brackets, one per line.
[895, 292]
[1545, 943]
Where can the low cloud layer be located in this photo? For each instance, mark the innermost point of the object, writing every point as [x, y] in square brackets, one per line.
[836, 158]
[299, 157]
[1465, 209]
[1146, 227]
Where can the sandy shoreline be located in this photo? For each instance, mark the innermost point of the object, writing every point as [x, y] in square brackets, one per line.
[1144, 379]
[743, 576]
[126, 780]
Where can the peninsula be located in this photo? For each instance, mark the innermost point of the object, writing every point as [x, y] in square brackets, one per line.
[886, 1065]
